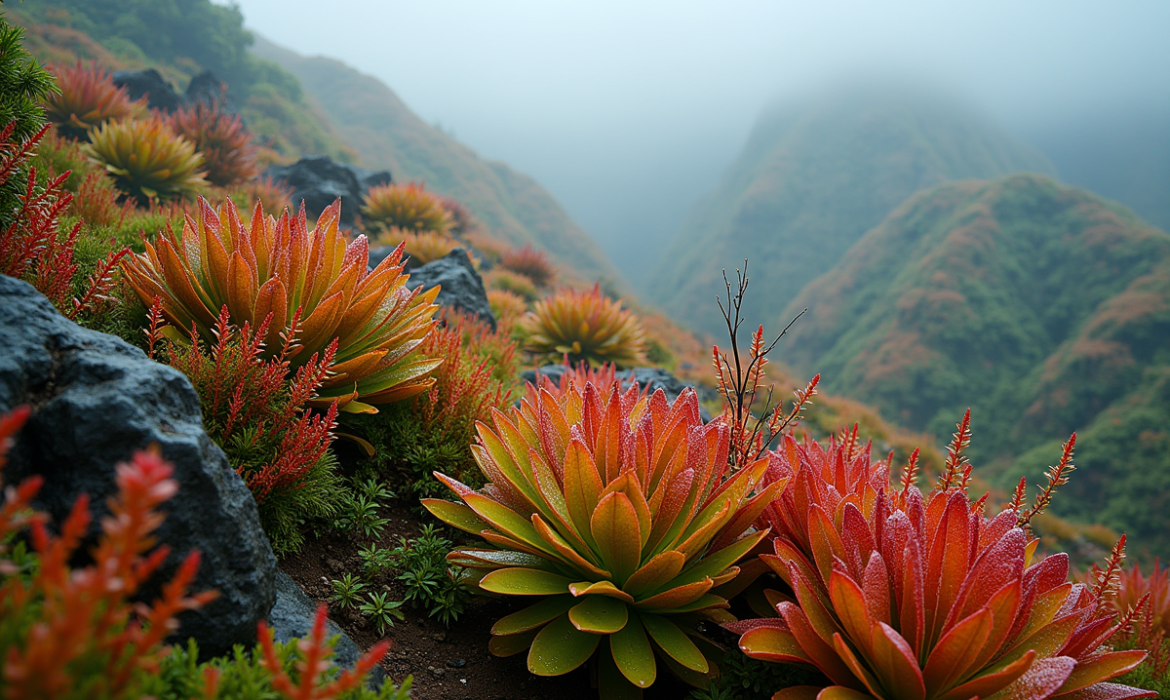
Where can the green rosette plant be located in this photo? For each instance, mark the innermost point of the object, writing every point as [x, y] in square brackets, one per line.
[618, 516]
[147, 159]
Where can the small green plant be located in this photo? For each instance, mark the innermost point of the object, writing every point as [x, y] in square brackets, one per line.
[347, 591]
[376, 560]
[358, 511]
[380, 610]
[430, 582]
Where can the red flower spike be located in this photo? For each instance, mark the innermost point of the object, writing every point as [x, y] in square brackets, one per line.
[313, 663]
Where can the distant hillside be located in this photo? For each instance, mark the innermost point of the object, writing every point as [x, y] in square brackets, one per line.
[181, 40]
[372, 120]
[1044, 307]
[812, 178]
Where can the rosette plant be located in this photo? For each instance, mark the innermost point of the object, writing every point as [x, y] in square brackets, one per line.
[408, 207]
[146, 159]
[584, 326]
[310, 285]
[902, 596]
[228, 154]
[530, 262]
[423, 247]
[619, 519]
[87, 98]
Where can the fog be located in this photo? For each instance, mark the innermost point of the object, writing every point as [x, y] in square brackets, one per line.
[629, 112]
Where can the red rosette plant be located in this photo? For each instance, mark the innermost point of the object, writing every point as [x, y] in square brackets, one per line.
[905, 596]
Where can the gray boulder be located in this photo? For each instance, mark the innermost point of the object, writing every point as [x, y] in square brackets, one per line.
[150, 84]
[292, 617]
[653, 378]
[461, 286]
[96, 399]
[319, 180]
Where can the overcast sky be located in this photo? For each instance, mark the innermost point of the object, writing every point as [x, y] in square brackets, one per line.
[628, 111]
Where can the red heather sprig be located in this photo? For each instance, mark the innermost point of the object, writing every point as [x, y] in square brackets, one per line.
[957, 470]
[1057, 476]
[250, 402]
[465, 390]
[314, 663]
[33, 247]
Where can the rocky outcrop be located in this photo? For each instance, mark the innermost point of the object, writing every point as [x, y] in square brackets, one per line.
[150, 84]
[96, 399]
[461, 287]
[292, 617]
[161, 95]
[318, 180]
[211, 91]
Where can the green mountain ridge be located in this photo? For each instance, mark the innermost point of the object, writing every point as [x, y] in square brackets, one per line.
[812, 178]
[1043, 307]
[372, 120]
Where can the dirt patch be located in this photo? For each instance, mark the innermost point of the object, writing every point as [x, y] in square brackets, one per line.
[447, 664]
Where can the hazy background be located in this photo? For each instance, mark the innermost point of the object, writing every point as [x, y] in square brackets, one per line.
[628, 112]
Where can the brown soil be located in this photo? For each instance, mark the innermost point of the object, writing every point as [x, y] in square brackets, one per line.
[447, 664]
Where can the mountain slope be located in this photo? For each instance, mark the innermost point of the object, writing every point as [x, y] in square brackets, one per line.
[1044, 307]
[174, 39]
[375, 122]
[810, 181]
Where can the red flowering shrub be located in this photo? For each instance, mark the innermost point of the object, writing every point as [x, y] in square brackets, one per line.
[465, 389]
[253, 407]
[311, 681]
[32, 245]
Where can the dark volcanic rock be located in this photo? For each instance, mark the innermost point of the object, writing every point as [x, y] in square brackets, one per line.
[318, 180]
[370, 178]
[210, 90]
[96, 399]
[461, 286]
[654, 378]
[292, 617]
[148, 83]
